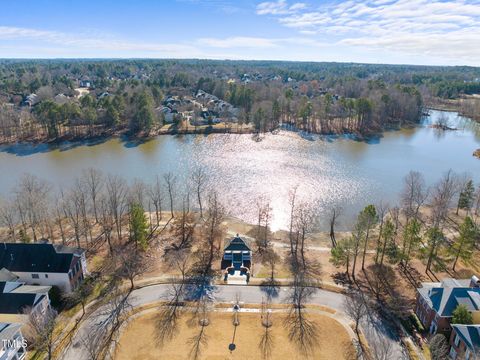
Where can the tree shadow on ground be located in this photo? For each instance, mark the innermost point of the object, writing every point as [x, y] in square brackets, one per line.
[271, 288]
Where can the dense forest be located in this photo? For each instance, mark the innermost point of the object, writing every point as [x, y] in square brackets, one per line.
[48, 100]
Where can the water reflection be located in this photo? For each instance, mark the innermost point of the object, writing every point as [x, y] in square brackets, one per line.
[328, 170]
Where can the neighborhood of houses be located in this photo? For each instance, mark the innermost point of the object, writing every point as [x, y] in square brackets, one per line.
[28, 272]
[197, 109]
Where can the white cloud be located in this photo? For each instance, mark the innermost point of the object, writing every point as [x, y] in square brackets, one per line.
[89, 42]
[279, 7]
[450, 29]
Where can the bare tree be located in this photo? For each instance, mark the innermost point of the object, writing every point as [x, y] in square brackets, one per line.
[116, 198]
[199, 178]
[39, 330]
[80, 294]
[155, 194]
[438, 347]
[183, 227]
[8, 217]
[108, 321]
[93, 180]
[336, 212]
[166, 324]
[301, 330]
[132, 264]
[106, 221]
[264, 217]
[212, 237]
[200, 340]
[266, 341]
[414, 194]
[170, 180]
[93, 342]
[442, 195]
[356, 308]
[71, 204]
[32, 196]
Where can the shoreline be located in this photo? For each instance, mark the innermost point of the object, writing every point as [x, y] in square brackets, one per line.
[123, 134]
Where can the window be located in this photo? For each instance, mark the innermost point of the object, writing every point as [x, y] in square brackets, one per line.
[46, 276]
[457, 340]
[35, 276]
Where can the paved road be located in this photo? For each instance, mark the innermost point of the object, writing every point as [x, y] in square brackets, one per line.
[228, 293]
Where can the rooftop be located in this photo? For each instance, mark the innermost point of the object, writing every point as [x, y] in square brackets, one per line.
[445, 296]
[46, 258]
[470, 334]
[237, 244]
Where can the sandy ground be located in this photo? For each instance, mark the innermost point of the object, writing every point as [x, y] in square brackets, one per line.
[138, 340]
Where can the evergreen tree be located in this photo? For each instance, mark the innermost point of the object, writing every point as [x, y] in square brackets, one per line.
[461, 315]
[342, 253]
[138, 226]
[144, 117]
[411, 239]
[463, 247]
[466, 197]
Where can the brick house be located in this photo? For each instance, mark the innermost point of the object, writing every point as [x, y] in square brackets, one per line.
[465, 342]
[437, 301]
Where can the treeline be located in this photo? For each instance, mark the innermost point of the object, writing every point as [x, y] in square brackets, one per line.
[126, 95]
[421, 226]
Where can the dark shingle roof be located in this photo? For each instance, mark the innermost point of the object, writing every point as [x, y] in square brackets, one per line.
[237, 244]
[36, 257]
[14, 303]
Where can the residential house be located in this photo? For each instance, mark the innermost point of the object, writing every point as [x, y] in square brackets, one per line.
[45, 264]
[167, 114]
[237, 261]
[12, 346]
[103, 95]
[237, 254]
[17, 297]
[86, 84]
[61, 99]
[18, 302]
[465, 342]
[30, 100]
[437, 301]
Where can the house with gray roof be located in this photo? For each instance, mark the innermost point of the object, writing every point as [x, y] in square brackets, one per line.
[437, 301]
[465, 342]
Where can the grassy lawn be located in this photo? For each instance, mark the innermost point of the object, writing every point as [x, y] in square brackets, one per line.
[138, 341]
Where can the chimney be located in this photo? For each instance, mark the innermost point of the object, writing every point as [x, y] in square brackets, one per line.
[474, 282]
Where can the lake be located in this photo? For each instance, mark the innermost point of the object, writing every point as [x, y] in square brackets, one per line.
[327, 170]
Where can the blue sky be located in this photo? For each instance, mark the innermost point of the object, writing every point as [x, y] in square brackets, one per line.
[375, 31]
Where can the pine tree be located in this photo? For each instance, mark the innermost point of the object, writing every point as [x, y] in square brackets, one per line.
[466, 197]
[138, 226]
[463, 247]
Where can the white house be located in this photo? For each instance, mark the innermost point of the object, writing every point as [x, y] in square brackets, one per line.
[45, 264]
[16, 298]
[12, 346]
